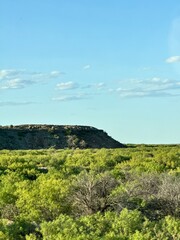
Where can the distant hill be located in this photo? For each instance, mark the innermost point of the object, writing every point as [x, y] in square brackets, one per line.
[54, 136]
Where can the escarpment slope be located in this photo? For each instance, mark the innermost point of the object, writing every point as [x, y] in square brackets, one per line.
[54, 136]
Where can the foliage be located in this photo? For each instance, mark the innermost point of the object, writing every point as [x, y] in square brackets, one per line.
[131, 193]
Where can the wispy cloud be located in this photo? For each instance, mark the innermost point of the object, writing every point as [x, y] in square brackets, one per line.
[154, 87]
[10, 73]
[67, 86]
[72, 85]
[78, 91]
[86, 67]
[100, 85]
[67, 98]
[46, 76]
[146, 68]
[16, 79]
[16, 83]
[139, 93]
[173, 59]
[11, 103]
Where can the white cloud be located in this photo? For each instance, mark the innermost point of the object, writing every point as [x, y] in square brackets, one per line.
[55, 74]
[100, 85]
[139, 93]
[125, 93]
[9, 73]
[153, 87]
[67, 98]
[155, 79]
[13, 73]
[46, 76]
[10, 103]
[173, 59]
[15, 79]
[86, 67]
[67, 85]
[16, 83]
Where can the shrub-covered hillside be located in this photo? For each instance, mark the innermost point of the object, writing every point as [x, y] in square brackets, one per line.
[110, 194]
[39, 136]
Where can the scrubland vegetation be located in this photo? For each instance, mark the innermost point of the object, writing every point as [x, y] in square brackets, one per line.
[111, 194]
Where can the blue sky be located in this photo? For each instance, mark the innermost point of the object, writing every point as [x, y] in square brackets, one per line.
[114, 65]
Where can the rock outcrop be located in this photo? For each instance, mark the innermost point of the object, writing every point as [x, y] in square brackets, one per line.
[54, 136]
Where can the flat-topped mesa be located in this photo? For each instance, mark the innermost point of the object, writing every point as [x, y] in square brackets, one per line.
[47, 126]
[42, 136]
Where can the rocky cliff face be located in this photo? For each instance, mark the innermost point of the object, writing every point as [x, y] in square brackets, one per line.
[54, 136]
